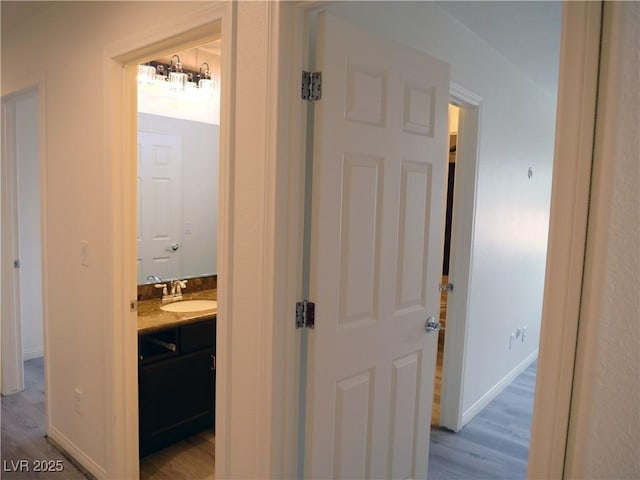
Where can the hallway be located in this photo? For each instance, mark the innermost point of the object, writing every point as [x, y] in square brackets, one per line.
[494, 445]
[24, 444]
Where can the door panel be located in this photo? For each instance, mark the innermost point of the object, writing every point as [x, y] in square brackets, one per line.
[360, 239]
[413, 235]
[404, 406]
[380, 142]
[352, 425]
[159, 205]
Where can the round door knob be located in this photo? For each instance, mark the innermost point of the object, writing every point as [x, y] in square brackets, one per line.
[174, 247]
[432, 325]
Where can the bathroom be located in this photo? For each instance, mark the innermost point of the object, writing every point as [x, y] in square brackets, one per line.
[177, 186]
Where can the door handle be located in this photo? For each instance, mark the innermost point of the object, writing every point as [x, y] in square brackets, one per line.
[432, 325]
[174, 247]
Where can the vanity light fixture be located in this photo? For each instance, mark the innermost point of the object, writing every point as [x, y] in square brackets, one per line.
[146, 74]
[205, 83]
[177, 78]
[173, 76]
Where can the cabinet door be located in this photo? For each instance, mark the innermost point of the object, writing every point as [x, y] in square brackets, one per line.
[176, 399]
[198, 336]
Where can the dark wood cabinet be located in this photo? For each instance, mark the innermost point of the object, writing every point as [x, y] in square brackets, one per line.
[176, 384]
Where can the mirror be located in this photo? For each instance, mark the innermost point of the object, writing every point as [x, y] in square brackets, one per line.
[178, 152]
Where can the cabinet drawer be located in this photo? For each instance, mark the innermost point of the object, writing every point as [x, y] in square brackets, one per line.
[198, 336]
[156, 346]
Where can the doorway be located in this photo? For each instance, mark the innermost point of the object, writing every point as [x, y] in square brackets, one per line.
[23, 332]
[177, 177]
[22, 242]
[210, 24]
[445, 286]
[464, 112]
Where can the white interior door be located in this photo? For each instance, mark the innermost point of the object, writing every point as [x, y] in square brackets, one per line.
[29, 224]
[380, 147]
[159, 205]
[12, 366]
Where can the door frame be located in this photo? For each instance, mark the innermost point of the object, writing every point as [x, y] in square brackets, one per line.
[571, 182]
[580, 38]
[11, 348]
[461, 256]
[120, 66]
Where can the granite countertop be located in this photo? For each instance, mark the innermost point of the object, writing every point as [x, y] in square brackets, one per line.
[151, 318]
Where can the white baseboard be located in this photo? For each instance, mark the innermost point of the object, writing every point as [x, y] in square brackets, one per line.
[77, 454]
[33, 352]
[497, 389]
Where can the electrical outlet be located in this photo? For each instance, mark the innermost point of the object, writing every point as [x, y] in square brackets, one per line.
[78, 401]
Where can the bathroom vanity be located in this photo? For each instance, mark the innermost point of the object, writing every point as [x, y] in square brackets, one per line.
[176, 375]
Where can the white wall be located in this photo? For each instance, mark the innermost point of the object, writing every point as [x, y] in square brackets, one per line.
[28, 172]
[604, 440]
[199, 174]
[517, 122]
[66, 41]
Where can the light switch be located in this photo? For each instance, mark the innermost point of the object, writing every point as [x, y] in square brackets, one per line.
[84, 253]
[78, 401]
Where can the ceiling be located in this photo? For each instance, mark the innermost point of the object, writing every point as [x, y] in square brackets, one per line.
[526, 33]
[14, 13]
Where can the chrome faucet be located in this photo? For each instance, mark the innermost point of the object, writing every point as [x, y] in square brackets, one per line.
[176, 289]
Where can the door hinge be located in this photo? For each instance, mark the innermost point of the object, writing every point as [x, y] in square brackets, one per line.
[133, 305]
[305, 314]
[446, 287]
[311, 86]
[16, 264]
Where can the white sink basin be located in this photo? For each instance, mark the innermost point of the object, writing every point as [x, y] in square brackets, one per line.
[190, 306]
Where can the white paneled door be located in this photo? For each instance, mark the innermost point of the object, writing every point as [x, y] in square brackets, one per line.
[159, 205]
[380, 147]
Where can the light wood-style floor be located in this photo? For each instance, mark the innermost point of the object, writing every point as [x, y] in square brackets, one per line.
[190, 459]
[495, 444]
[23, 431]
